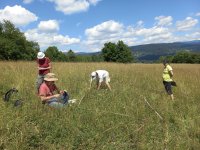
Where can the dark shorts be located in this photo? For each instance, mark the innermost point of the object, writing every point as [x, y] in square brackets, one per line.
[168, 87]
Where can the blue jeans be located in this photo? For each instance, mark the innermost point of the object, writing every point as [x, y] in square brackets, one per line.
[60, 101]
[40, 79]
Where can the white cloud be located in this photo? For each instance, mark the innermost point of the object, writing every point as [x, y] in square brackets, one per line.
[198, 14]
[27, 1]
[140, 23]
[186, 24]
[48, 26]
[158, 38]
[112, 31]
[17, 15]
[45, 39]
[164, 21]
[193, 36]
[105, 29]
[97, 36]
[151, 31]
[65, 40]
[94, 2]
[73, 6]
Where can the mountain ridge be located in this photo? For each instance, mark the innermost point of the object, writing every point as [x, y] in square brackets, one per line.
[152, 52]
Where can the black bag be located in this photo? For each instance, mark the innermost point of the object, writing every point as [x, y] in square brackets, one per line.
[8, 95]
[173, 83]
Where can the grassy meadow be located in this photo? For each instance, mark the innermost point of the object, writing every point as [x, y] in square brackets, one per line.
[120, 119]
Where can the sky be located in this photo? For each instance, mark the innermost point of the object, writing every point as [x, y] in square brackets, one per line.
[86, 25]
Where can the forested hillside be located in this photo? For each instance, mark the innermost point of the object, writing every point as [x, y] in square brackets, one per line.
[152, 52]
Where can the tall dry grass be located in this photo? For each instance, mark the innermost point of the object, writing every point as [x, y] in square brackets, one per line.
[119, 119]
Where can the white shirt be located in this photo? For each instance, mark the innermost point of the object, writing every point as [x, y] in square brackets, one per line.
[103, 75]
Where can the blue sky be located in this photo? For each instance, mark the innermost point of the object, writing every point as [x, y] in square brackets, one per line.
[85, 25]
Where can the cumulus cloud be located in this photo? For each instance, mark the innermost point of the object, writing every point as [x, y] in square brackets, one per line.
[17, 15]
[193, 36]
[198, 14]
[73, 6]
[112, 31]
[49, 39]
[104, 29]
[27, 1]
[48, 26]
[164, 20]
[186, 24]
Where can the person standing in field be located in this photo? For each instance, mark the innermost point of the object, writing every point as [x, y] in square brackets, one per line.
[44, 66]
[49, 93]
[167, 78]
[101, 76]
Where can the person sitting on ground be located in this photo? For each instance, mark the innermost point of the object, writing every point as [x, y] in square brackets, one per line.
[49, 93]
[167, 78]
[101, 76]
[44, 66]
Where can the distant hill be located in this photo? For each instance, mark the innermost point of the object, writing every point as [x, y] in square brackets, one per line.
[87, 54]
[152, 52]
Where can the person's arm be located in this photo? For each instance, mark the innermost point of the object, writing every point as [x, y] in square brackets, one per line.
[99, 85]
[108, 86]
[171, 73]
[45, 68]
[57, 90]
[40, 68]
[47, 98]
[90, 83]
[99, 81]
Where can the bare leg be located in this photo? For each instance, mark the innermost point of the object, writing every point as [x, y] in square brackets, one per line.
[172, 97]
[108, 86]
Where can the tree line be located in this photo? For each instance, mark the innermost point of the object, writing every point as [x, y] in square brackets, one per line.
[182, 57]
[15, 46]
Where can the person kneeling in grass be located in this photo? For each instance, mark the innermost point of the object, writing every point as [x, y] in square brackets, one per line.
[49, 93]
[101, 76]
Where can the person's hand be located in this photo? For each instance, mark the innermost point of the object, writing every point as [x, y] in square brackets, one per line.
[56, 95]
[61, 91]
[40, 68]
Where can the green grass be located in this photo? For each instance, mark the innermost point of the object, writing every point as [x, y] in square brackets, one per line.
[119, 119]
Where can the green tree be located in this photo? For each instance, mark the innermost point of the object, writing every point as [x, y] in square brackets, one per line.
[13, 43]
[109, 52]
[52, 52]
[71, 56]
[124, 54]
[186, 57]
[182, 57]
[119, 52]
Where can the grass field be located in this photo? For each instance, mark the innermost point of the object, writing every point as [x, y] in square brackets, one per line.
[120, 119]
